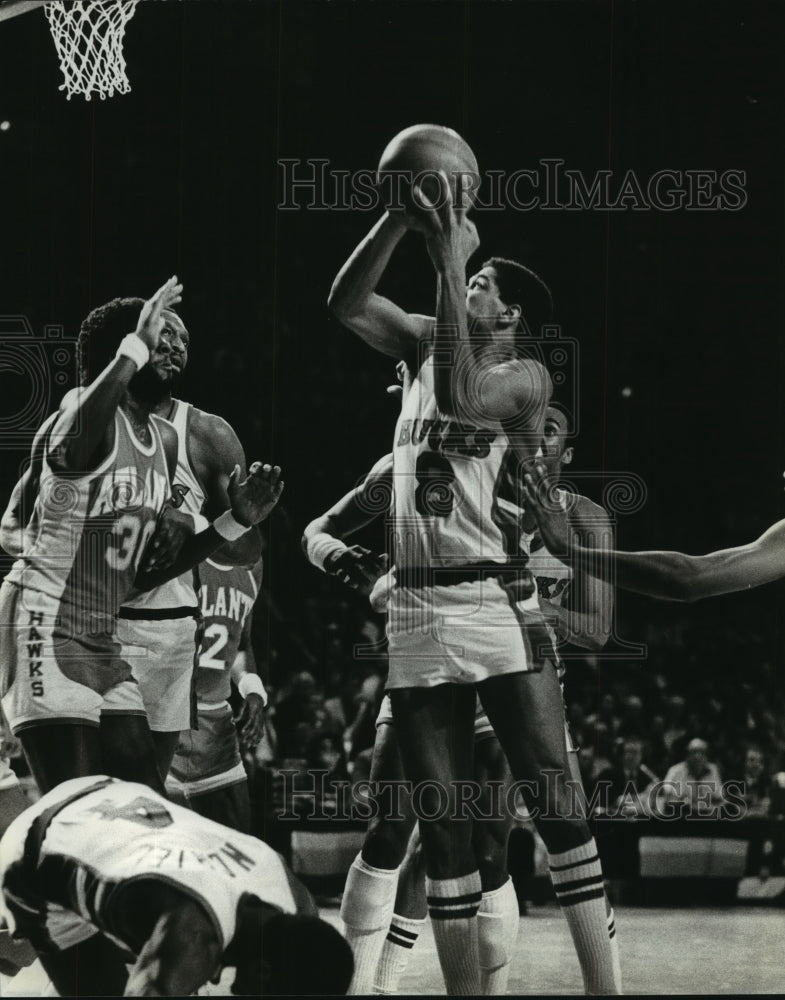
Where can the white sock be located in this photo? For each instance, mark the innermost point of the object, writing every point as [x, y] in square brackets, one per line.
[366, 909]
[497, 929]
[614, 939]
[453, 905]
[397, 948]
[577, 879]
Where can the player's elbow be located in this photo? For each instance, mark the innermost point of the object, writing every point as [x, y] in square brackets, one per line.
[339, 301]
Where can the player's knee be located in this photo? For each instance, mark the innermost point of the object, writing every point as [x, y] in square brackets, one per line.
[369, 895]
[492, 866]
[494, 946]
[385, 844]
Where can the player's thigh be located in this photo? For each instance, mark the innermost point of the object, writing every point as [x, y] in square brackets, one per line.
[230, 806]
[128, 751]
[95, 967]
[527, 714]
[57, 752]
[435, 729]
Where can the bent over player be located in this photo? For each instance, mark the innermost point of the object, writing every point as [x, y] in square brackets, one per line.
[207, 769]
[100, 873]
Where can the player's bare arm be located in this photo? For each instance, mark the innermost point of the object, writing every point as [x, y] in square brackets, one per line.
[670, 576]
[250, 502]
[20, 504]
[506, 390]
[587, 620]
[83, 434]
[214, 450]
[355, 302]
[245, 674]
[323, 538]
[180, 955]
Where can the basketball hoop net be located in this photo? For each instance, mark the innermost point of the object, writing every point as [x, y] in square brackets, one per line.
[89, 39]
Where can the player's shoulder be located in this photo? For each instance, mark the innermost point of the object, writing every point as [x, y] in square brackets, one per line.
[211, 434]
[585, 510]
[382, 467]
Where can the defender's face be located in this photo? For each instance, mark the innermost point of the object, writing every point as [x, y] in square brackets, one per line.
[554, 440]
[171, 356]
[484, 306]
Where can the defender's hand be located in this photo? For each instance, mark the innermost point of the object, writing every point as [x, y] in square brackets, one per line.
[253, 500]
[150, 324]
[250, 722]
[548, 509]
[357, 567]
[173, 528]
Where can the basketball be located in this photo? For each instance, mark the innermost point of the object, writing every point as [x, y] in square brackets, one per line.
[415, 156]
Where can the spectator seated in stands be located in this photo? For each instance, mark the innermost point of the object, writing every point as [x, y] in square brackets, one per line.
[756, 782]
[695, 783]
[627, 783]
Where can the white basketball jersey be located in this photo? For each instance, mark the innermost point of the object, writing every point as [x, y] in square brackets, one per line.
[553, 577]
[456, 495]
[118, 831]
[179, 592]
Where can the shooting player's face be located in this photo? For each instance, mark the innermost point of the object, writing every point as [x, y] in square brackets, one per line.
[484, 307]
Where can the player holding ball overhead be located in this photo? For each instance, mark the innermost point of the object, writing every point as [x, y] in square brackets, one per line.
[473, 415]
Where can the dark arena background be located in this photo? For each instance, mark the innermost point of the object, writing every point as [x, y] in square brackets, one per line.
[670, 303]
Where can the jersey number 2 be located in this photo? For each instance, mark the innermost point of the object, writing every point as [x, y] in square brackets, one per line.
[209, 658]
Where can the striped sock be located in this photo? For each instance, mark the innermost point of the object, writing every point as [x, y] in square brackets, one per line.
[614, 950]
[453, 905]
[366, 909]
[396, 951]
[577, 880]
[497, 923]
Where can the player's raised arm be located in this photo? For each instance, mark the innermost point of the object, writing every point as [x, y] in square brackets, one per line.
[323, 538]
[672, 576]
[355, 302]
[588, 618]
[512, 390]
[220, 451]
[83, 434]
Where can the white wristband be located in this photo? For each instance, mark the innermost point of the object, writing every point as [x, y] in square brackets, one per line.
[252, 684]
[321, 546]
[229, 527]
[134, 347]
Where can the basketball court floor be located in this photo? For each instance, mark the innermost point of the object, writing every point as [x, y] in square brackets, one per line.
[733, 950]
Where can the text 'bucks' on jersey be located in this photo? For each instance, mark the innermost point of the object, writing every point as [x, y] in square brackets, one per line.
[457, 498]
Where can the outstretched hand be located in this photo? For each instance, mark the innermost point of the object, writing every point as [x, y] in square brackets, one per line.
[450, 236]
[151, 322]
[254, 499]
[546, 504]
[358, 568]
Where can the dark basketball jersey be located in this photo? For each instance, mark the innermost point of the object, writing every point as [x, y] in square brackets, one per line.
[227, 595]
